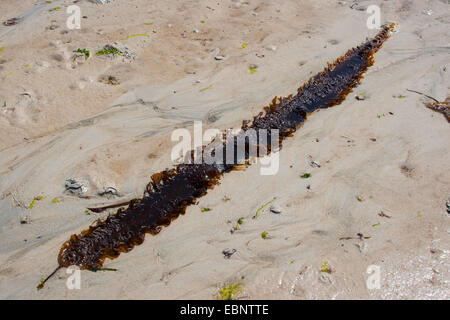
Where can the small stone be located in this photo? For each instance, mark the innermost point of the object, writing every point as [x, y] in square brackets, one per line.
[271, 47]
[219, 58]
[362, 246]
[195, 31]
[362, 96]
[275, 209]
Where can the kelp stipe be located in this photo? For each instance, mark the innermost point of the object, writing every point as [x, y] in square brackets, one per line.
[171, 191]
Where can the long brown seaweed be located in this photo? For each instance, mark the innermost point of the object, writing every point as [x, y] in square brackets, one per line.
[441, 107]
[171, 191]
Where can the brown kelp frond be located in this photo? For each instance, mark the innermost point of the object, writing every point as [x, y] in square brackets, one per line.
[171, 191]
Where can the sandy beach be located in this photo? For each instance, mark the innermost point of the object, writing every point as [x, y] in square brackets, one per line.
[377, 191]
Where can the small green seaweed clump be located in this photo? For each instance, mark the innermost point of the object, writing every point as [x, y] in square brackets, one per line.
[86, 53]
[230, 291]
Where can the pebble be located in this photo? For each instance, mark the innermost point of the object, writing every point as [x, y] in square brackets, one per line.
[76, 186]
[275, 209]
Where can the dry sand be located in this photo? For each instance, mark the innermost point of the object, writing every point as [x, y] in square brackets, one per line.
[386, 153]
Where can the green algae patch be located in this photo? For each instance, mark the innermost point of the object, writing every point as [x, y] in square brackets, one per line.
[230, 291]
